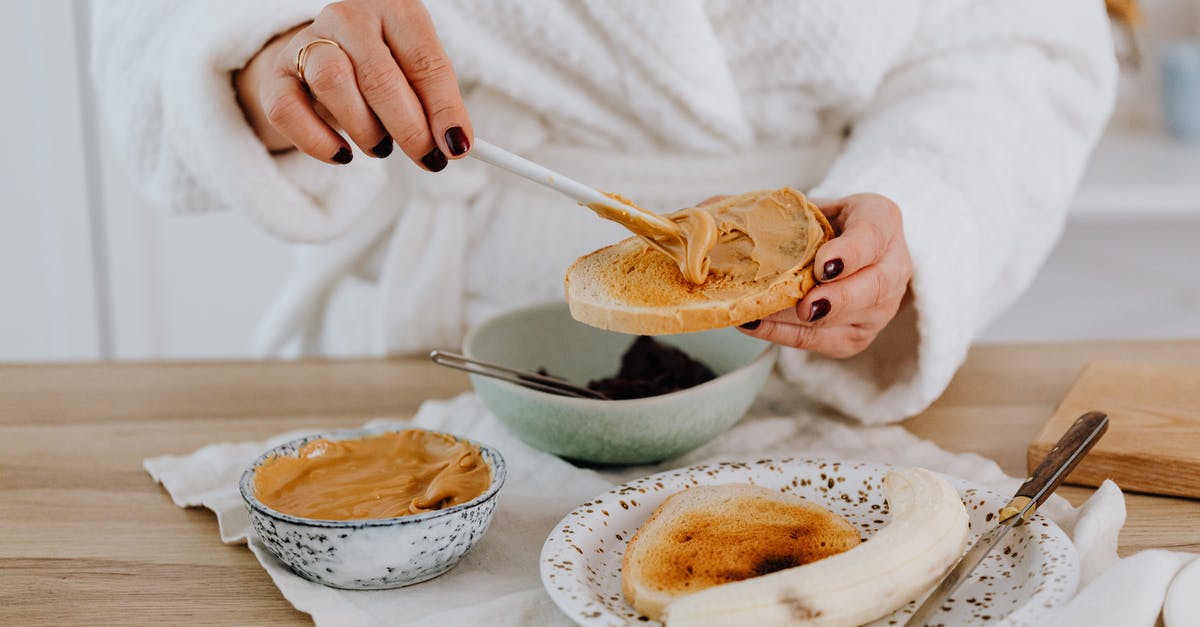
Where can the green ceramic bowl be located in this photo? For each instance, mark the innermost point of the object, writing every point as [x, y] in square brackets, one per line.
[612, 432]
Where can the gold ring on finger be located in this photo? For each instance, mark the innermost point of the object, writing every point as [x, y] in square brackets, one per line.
[302, 55]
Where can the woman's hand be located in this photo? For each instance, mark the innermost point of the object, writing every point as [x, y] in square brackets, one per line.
[862, 276]
[387, 78]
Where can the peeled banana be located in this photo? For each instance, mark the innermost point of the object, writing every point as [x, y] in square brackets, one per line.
[901, 562]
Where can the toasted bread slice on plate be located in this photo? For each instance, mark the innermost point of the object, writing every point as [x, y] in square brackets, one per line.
[631, 287]
[711, 535]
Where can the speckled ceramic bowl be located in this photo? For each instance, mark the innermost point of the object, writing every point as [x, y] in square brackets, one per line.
[612, 432]
[376, 553]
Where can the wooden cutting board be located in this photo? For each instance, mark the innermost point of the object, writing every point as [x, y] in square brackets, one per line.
[1153, 439]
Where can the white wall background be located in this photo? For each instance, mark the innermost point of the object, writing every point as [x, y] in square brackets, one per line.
[49, 290]
[89, 271]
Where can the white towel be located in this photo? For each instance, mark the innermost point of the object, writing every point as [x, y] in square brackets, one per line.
[498, 582]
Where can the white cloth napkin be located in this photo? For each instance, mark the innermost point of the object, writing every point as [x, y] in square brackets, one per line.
[497, 583]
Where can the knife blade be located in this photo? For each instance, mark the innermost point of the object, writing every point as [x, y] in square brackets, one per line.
[1058, 463]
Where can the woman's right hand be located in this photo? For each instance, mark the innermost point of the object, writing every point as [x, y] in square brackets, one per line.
[388, 78]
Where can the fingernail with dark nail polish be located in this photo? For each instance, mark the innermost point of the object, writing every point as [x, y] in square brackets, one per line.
[343, 156]
[752, 325]
[831, 269]
[383, 148]
[435, 161]
[457, 142]
[820, 309]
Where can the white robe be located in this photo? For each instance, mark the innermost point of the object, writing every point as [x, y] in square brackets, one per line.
[975, 116]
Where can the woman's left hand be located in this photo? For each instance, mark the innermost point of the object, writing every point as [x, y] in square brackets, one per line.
[862, 276]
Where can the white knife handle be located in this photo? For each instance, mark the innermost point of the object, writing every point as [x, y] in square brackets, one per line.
[490, 153]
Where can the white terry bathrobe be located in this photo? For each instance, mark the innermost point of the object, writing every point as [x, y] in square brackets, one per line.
[975, 116]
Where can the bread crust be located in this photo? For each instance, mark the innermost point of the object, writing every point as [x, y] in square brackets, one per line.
[627, 288]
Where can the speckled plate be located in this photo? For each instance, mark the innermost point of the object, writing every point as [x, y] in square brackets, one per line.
[1035, 570]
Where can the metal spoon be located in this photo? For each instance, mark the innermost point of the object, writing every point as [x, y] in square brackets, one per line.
[523, 378]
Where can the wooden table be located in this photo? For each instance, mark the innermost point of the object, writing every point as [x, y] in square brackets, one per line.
[87, 537]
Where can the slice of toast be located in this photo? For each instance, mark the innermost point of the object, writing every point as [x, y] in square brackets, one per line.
[633, 288]
[711, 535]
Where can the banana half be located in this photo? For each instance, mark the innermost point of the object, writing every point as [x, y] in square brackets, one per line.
[901, 562]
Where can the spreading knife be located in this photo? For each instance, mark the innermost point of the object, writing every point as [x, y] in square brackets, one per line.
[1058, 463]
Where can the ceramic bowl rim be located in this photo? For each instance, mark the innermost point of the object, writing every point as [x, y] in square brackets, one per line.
[768, 352]
[245, 484]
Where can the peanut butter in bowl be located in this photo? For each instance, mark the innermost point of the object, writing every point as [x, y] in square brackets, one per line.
[370, 509]
[399, 473]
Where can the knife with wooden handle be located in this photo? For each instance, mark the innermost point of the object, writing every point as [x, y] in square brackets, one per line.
[1066, 454]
